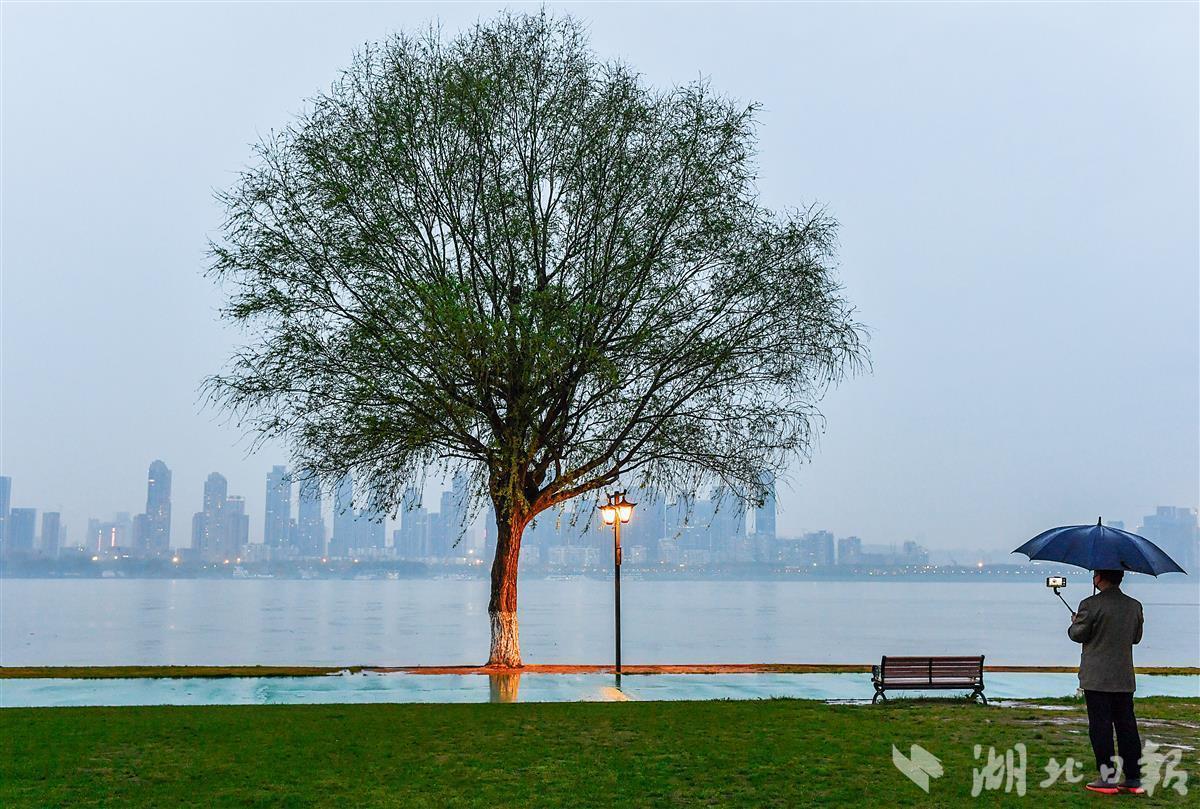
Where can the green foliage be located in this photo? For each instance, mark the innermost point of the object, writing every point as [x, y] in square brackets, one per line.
[500, 254]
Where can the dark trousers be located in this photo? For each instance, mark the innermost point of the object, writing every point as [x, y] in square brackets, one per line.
[1109, 711]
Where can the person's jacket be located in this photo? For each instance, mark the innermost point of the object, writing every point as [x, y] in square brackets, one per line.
[1108, 625]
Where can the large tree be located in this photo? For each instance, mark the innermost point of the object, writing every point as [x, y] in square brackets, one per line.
[496, 253]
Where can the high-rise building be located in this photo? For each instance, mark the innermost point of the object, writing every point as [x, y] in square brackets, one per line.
[235, 528]
[5, 506]
[209, 540]
[1176, 531]
[344, 525]
[414, 529]
[369, 528]
[51, 533]
[310, 523]
[216, 489]
[158, 509]
[22, 523]
[152, 529]
[697, 532]
[652, 526]
[912, 553]
[816, 549]
[849, 551]
[91, 537]
[279, 508]
[410, 538]
[110, 537]
[728, 526]
[764, 515]
[450, 519]
[122, 533]
[437, 535]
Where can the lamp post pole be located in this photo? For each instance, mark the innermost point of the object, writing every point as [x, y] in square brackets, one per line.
[617, 586]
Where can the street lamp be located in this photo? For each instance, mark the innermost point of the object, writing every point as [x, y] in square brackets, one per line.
[616, 511]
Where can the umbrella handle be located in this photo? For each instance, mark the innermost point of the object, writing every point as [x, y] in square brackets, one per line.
[1063, 600]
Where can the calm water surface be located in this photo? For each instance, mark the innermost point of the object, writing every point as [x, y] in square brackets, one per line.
[424, 622]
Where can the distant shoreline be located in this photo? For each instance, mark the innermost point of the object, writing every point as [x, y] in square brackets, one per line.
[415, 571]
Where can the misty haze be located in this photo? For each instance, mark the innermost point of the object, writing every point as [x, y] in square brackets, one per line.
[326, 328]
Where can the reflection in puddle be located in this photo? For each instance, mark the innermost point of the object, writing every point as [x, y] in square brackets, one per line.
[503, 687]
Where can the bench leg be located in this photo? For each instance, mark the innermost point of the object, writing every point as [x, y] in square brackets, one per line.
[878, 695]
[978, 692]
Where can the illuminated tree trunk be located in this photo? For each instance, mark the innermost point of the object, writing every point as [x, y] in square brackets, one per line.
[502, 608]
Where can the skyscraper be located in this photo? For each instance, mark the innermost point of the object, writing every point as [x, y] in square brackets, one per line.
[1176, 531]
[413, 534]
[51, 531]
[279, 508]
[369, 527]
[728, 527]
[764, 515]
[152, 530]
[816, 549]
[344, 528]
[450, 518]
[849, 551]
[235, 529]
[310, 524]
[208, 526]
[22, 522]
[158, 509]
[216, 489]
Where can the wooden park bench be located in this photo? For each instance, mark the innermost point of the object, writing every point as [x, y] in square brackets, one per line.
[928, 673]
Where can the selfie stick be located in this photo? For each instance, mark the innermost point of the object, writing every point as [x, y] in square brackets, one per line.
[1063, 600]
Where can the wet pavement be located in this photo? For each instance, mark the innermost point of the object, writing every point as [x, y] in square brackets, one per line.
[377, 687]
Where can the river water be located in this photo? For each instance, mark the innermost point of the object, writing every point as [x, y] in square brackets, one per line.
[444, 622]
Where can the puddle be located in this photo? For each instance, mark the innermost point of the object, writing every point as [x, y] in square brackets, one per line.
[377, 687]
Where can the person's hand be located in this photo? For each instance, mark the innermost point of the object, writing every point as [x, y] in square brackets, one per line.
[1074, 617]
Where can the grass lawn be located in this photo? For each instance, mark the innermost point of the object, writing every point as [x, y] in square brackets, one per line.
[777, 753]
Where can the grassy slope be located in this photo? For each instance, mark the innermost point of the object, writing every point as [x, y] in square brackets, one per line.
[779, 753]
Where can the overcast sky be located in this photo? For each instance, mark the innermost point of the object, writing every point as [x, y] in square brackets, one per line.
[1016, 184]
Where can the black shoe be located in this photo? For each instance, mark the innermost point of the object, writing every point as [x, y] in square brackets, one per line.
[1132, 786]
[1103, 787]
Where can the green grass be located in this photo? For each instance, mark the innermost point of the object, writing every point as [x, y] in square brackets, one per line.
[777, 753]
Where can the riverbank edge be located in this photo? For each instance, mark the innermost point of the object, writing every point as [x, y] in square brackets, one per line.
[179, 672]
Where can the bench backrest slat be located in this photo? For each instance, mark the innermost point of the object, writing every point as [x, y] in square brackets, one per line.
[932, 669]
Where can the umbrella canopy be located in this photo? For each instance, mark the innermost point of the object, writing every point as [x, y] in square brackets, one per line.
[1099, 547]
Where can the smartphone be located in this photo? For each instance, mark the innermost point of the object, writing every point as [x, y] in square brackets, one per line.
[1056, 581]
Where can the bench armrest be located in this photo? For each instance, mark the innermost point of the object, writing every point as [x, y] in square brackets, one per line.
[875, 673]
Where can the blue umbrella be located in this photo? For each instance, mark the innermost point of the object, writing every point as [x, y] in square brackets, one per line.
[1099, 547]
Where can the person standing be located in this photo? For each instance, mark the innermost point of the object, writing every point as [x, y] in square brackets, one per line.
[1109, 625]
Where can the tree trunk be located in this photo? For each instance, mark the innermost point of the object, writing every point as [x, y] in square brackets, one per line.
[502, 609]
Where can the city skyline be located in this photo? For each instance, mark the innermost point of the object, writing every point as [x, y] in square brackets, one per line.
[692, 530]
